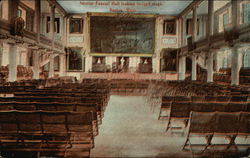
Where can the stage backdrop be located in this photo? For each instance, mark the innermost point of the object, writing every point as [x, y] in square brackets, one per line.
[122, 34]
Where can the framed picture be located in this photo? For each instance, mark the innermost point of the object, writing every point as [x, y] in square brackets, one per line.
[74, 59]
[169, 27]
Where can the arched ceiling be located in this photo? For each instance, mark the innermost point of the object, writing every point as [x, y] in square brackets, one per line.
[165, 7]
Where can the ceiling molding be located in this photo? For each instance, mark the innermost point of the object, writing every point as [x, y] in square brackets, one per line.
[58, 6]
[190, 7]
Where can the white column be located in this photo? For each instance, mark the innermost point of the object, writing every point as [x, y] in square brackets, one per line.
[235, 12]
[235, 63]
[217, 61]
[184, 31]
[210, 22]
[62, 65]
[5, 55]
[182, 68]
[194, 68]
[109, 61]
[12, 63]
[37, 18]
[156, 64]
[51, 65]
[88, 63]
[210, 71]
[133, 64]
[36, 67]
[52, 24]
[64, 30]
[194, 24]
[18, 57]
[235, 66]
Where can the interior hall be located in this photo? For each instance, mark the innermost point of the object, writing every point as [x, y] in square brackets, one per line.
[124, 78]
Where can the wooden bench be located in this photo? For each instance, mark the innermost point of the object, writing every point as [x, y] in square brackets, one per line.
[209, 125]
[167, 101]
[54, 132]
[180, 111]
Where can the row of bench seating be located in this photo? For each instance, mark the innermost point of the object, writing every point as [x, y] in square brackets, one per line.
[158, 89]
[194, 112]
[181, 110]
[244, 76]
[178, 100]
[65, 121]
[208, 126]
[166, 101]
[45, 132]
[224, 76]
[128, 87]
[22, 72]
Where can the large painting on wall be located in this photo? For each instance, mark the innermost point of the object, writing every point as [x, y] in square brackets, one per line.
[122, 34]
[74, 59]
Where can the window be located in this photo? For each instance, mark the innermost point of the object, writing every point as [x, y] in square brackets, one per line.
[56, 63]
[46, 67]
[169, 27]
[189, 27]
[198, 27]
[225, 19]
[19, 13]
[29, 20]
[224, 64]
[246, 12]
[76, 25]
[57, 25]
[246, 59]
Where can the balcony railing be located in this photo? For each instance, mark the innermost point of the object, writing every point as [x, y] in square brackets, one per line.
[58, 45]
[45, 40]
[218, 39]
[30, 35]
[5, 25]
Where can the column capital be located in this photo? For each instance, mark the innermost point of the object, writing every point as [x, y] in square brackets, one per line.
[62, 54]
[52, 5]
[51, 53]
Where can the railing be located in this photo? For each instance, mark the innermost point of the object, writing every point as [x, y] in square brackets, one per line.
[5, 28]
[218, 39]
[5, 25]
[46, 41]
[30, 35]
[58, 45]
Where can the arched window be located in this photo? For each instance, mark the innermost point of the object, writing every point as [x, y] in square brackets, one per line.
[224, 64]
[245, 59]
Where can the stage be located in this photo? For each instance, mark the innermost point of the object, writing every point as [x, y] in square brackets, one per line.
[133, 76]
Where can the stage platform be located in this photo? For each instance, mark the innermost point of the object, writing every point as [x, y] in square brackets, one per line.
[133, 76]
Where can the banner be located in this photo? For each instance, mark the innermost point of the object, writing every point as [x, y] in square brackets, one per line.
[148, 7]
